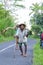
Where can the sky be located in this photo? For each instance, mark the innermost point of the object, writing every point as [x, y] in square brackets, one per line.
[23, 14]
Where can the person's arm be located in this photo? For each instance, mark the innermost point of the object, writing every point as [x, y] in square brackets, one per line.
[17, 33]
[26, 33]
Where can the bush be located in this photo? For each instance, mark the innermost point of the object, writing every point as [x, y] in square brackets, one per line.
[30, 32]
[36, 29]
[38, 55]
[9, 33]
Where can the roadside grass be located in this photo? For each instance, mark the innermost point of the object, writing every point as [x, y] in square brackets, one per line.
[38, 55]
[3, 39]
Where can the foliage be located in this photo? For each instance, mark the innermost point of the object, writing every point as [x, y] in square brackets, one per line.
[6, 19]
[36, 15]
[37, 19]
[3, 38]
[30, 32]
[16, 4]
[36, 29]
[38, 55]
[10, 32]
[34, 8]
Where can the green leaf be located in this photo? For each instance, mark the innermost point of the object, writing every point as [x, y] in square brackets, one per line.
[22, 6]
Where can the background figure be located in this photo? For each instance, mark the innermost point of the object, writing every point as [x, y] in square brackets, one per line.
[41, 39]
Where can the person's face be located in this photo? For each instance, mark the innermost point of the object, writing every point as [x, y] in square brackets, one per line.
[22, 27]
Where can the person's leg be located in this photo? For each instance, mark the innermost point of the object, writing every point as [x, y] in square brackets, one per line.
[25, 51]
[20, 47]
[16, 43]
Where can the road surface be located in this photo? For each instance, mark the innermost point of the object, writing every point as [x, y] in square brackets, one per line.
[10, 56]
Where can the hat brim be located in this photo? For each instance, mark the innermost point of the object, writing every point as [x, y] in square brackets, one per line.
[23, 25]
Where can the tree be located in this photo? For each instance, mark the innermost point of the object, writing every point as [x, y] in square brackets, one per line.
[36, 29]
[18, 5]
[6, 19]
[37, 15]
[35, 8]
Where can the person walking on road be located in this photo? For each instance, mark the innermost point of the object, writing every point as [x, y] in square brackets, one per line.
[22, 35]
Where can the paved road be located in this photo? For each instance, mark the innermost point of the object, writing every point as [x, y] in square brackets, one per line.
[10, 56]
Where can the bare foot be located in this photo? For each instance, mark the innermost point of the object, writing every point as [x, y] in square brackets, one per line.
[25, 55]
[21, 54]
[16, 48]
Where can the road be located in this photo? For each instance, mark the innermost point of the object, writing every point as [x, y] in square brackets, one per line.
[10, 56]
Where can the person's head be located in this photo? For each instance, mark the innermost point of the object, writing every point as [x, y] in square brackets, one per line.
[22, 26]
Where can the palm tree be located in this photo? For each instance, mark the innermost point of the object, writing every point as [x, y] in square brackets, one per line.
[18, 5]
[34, 8]
[15, 4]
[37, 17]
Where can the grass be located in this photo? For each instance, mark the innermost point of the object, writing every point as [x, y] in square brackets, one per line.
[38, 55]
[3, 39]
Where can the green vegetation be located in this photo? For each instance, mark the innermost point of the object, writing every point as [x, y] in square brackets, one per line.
[6, 20]
[33, 37]
[3, 38]
[16, 5]
[38, 55]
[36, 19]
[36, 29]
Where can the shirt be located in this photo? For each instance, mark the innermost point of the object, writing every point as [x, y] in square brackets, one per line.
[22, 35]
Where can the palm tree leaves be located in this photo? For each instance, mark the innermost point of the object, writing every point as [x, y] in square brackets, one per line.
[21, 6]
[16, 4]
[37, 17]
[34, 8]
